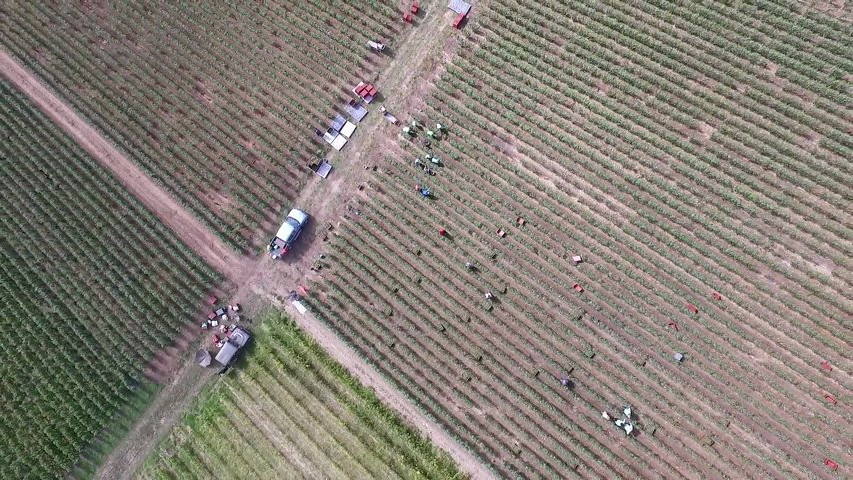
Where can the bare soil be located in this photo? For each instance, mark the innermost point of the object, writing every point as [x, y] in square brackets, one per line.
[406, 79]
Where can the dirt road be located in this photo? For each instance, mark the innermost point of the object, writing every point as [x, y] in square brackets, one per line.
[187, 227]
[404, 81]
[389, 395]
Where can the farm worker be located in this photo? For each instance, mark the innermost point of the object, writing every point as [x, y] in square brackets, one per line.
[440, 127]
[442, 232]
[469, 265]
[489, 295]
[564, 381]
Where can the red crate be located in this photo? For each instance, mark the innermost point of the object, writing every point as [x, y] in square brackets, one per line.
[458, 22]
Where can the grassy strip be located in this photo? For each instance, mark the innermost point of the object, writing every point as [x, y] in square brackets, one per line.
[396, 444]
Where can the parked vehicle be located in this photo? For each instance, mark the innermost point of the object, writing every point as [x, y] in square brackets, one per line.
[287, 233]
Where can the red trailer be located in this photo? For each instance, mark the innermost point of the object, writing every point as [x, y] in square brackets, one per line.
[365, 91]
[461, 8]
[459, 19]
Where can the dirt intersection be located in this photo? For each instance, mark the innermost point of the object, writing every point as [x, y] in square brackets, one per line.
[404, 78]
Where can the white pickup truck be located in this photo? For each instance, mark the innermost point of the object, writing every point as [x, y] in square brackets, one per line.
[287, 233]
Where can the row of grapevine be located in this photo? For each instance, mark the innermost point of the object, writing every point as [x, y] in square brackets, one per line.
[92, 287]
[217, 102]
[652, 139]
[291, 411]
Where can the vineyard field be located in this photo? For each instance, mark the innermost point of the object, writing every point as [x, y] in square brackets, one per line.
[91, 287]
[698, 158]
[218, 101]
[290, 411]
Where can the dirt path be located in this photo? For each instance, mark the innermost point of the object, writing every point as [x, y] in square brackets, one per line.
[404, 82]
[388, 394]
[164, 412]
[188, 228]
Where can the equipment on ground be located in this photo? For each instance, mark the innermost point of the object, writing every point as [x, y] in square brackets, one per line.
[461, 8]
[202, 357]
[829, 463]
[366, 91]
[356, 110]
[334, 136]
[388, 116]
[626, 422]
[376, 46]
[323, 169]
[287, 234]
